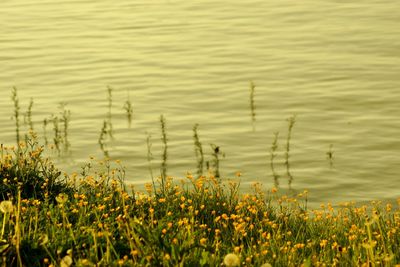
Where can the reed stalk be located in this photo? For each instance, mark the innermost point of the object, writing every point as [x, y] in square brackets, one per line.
[165, 152]
[329, 155]
[109, 114]
[16, 114]
[128, 107]
[273, 155]
[216, 152]
[102, 138]
[45, 122]
[57, 134]
[65, 119]
[252, 104]
[150, 158]
[198, 149]
[28, 115]
[291, 121]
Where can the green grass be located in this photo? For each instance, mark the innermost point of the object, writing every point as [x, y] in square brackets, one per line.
[92, 219]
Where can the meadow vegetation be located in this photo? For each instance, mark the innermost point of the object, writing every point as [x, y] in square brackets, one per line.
[92, 218]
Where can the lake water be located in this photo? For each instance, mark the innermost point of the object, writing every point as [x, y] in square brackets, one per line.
[334, 64]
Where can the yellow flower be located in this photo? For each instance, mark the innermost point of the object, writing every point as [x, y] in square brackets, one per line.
[84, 262]
[66, 261]
[74, 210]
[149, 188]
[43, 239]
[62, 198]
[203, 241]
[323, 243]
[231, 260]
[6, 206]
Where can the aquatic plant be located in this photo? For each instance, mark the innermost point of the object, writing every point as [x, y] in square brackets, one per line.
[106, 131]
[164, 141]
[150, 157]
[273, 155]
[57, 139]
[45, 122]
[103, 137]
[15, 100]
[28, 116]
[291, 121]
[216, 153]
[198, 149]
[329, 155]
[128, 107]
[65, 119]
[252, 104]
[60, 124]
[109, 114]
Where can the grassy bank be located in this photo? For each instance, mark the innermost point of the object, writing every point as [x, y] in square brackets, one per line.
[90, 218]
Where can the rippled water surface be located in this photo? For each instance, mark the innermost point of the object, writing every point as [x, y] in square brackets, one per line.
[334, 64]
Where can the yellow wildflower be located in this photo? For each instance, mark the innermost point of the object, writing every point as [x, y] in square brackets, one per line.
[203, 241]
[66, 261]
[231, 260]
[62, 198]
[6, 206]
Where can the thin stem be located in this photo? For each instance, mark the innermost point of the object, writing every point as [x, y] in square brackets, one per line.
[165, 152]
[252, 104]
[292, 121]
[198, 151]
[16, 113]
[273, 154]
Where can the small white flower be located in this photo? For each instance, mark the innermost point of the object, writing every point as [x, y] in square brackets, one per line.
[231, 260]
[6, 206]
